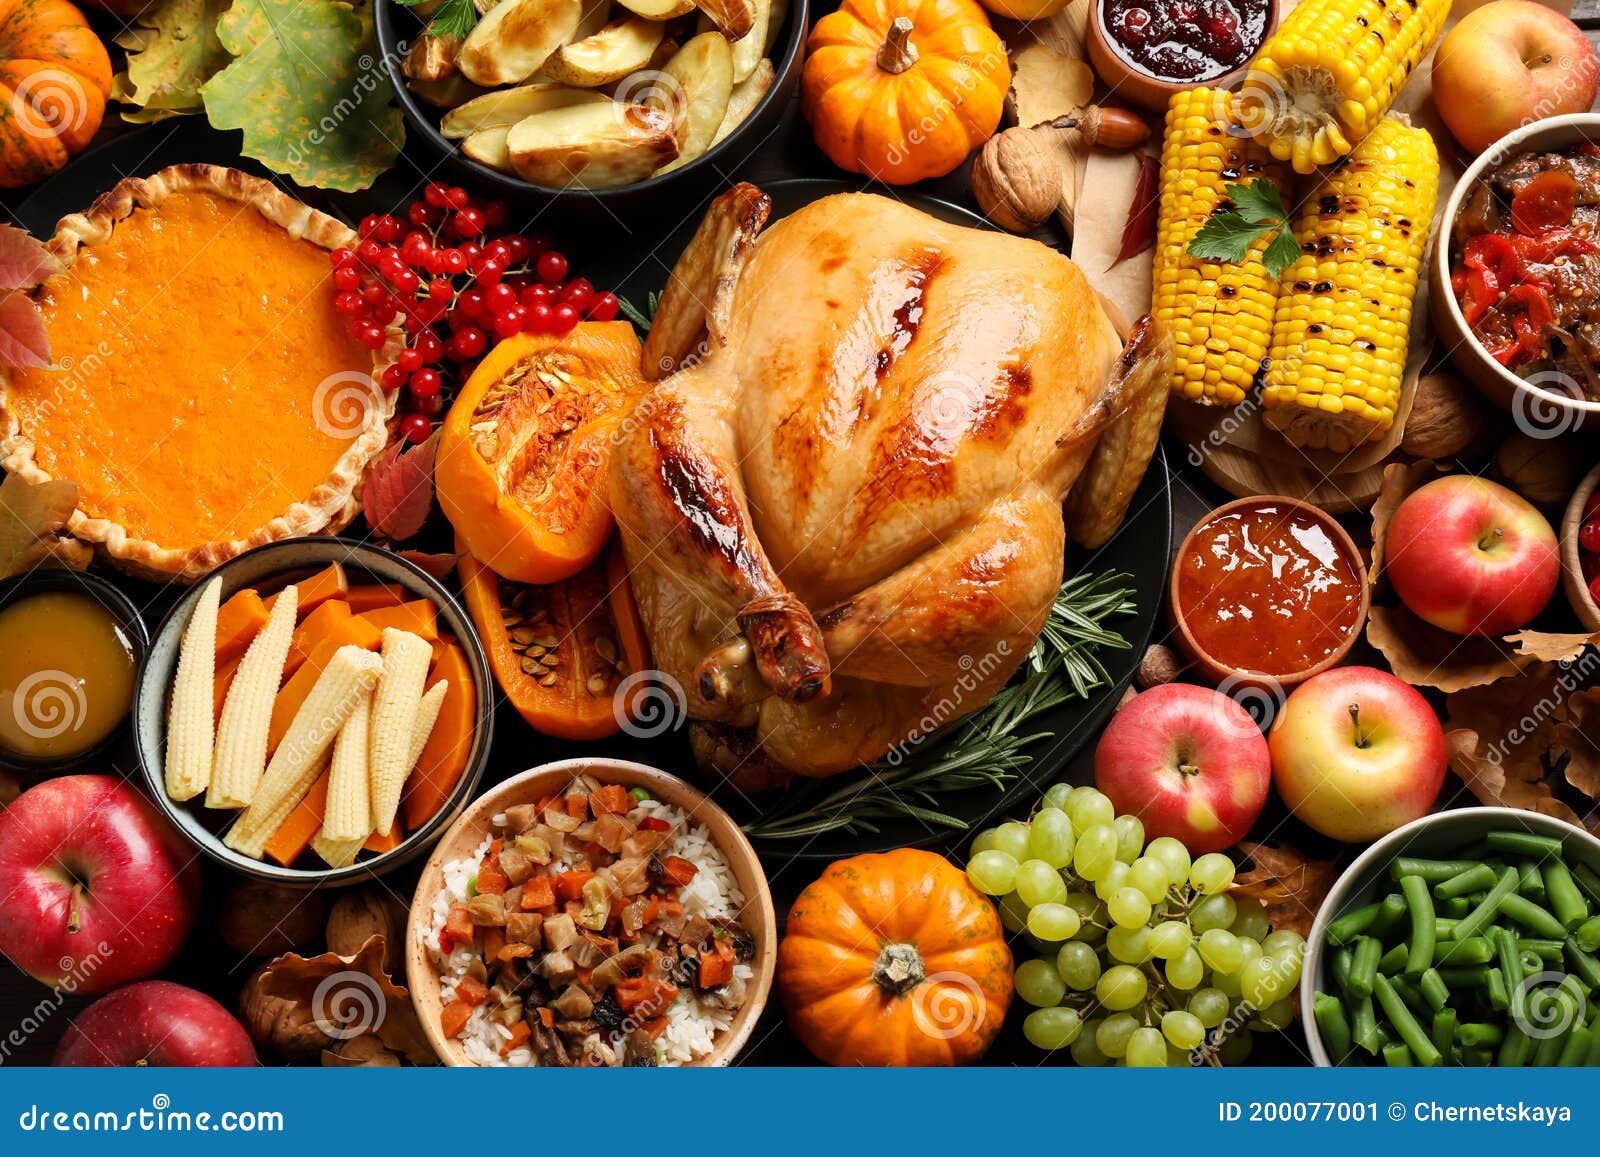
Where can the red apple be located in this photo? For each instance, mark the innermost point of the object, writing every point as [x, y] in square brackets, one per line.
[1356, 753]
[1471, 557]
[1508, 64]
[155, 1023]
[1189, 762]
[98, 888]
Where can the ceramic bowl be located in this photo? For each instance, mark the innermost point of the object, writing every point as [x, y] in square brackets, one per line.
[270, 567]
[120, 607]
[1218, 672]
[1434, 836]
[1535, 406]
[1572, 580]
[1128, 82]
[462, 840]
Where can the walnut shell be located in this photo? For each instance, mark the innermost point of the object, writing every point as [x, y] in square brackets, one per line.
[1545, 471]
[1016, 180]
[280, 1026]
[262, 919]
[358, 915]
[1447, 418]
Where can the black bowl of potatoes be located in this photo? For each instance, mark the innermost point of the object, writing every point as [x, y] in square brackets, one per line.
[619, 105]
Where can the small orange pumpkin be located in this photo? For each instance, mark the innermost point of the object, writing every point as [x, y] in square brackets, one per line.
[894, 959]
[524, 454]
[902, 90]
[55, 76]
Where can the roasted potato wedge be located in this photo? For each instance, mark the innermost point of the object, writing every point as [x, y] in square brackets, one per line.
[749, 48]
[746, 95]
[696, 94]
[431, 57]
[596, 15]
[507, 106]
[734, 17]
[618, 49]
[592, 146]
[515, 38]
[451, 92]
[488, 147]
[659, 9]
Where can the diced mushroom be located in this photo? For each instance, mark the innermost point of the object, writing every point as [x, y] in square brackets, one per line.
[696, 930]
[610, 830]
[631, 875]
[574, 1003]
[556, 817]
[535, 847]
[524, 928]
[641, 1049]
[516, 864]
[559, 932]
[596, 903]
[487, 911]
[558, 968]
[631, 961]
[584, 954]
[521, 817]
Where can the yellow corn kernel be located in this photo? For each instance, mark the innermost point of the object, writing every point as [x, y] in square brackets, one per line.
[348, 815]
[241, 747]
[394, 715]
[1343, 324]
[1220, 316]
[191, 717]
[1333, 68]
[350, 674]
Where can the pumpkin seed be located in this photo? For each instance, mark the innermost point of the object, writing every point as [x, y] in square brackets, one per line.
[596, 684]
[548, 680]
[524, 635]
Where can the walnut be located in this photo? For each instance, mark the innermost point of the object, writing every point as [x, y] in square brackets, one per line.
[1447, 418]
[281, 1026]
[261, 919]
[362, 913]
[1016, 180]
[1545, 471]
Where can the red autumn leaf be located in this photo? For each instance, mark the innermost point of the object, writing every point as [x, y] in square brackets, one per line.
[24, 261]
[399, 491]
[1139, 231]
[23, 340]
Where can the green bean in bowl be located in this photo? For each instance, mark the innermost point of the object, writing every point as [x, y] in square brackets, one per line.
[1468, 938]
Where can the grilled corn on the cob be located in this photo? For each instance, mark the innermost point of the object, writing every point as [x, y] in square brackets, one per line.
[1219, 315]
[1344, 313]
[1332, 70]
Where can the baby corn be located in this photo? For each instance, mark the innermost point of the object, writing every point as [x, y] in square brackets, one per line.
[191, 717]
[394, 714]
[348, 815]
[1344, 314]
[1219, 315]
[241, 747]
[350, 674]
[1332, 70]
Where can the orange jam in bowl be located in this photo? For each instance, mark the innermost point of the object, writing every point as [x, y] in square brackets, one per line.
[1268, 586]
[68, 660]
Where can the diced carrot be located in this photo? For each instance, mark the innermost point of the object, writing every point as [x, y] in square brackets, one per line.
[220, 684]
[494, 939]
[491, 880]
[569, 885]
[347, 632]
[294, 835]
[315, 627]
[633, 991]
[364, 597]
[419, 616]
[547, 1017]
[380, 843]
[716, 969]
[573, 908]
[512, 952]
[577, 806]
[655, 1026]
[453, 1018]
[538, 894]
[611, 798]
[311, 593]
[678, 871]
[458, 924]
[444, 758]
[238, 622]
[520, 1032]
[472, 990]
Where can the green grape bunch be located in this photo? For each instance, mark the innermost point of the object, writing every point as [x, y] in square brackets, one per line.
[1143, 957]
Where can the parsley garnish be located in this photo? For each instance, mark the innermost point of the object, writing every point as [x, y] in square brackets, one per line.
[1257, 211]
[456, 18]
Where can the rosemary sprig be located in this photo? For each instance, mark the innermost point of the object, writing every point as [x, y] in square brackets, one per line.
[641, 318]
[988, 748]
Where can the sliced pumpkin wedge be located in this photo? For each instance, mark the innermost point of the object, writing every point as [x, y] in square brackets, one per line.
[555, 649]
[523, 459]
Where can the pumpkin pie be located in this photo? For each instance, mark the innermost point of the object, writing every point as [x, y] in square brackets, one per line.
[205, 397]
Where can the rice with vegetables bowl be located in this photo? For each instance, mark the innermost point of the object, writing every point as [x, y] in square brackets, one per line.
[597, 927]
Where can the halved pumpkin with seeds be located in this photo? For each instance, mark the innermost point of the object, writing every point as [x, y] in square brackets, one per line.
[555, 648]
[523, 457]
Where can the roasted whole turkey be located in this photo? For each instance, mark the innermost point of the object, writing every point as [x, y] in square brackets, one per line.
[842, 508]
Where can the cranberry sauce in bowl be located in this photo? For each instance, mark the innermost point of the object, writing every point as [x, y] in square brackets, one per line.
[1185, 40]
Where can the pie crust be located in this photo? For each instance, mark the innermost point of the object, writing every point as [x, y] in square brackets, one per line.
[332, 503]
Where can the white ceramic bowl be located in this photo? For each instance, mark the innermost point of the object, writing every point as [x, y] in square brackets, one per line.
[422, 978]
[1535, 407]
[1436, 836]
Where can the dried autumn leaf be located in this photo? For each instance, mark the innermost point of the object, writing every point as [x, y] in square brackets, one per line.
[1139, 231]
[1496, 781]
[173, 49]
[307, 92]
[33, 526]
[1577, 737]
[1424, 656]
[399, 490]
[24, 260]
[24, 341]
[1290, 884]
[1400, 480]
[350, 996]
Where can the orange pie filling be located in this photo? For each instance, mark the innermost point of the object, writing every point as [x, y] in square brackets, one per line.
[202, 372]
